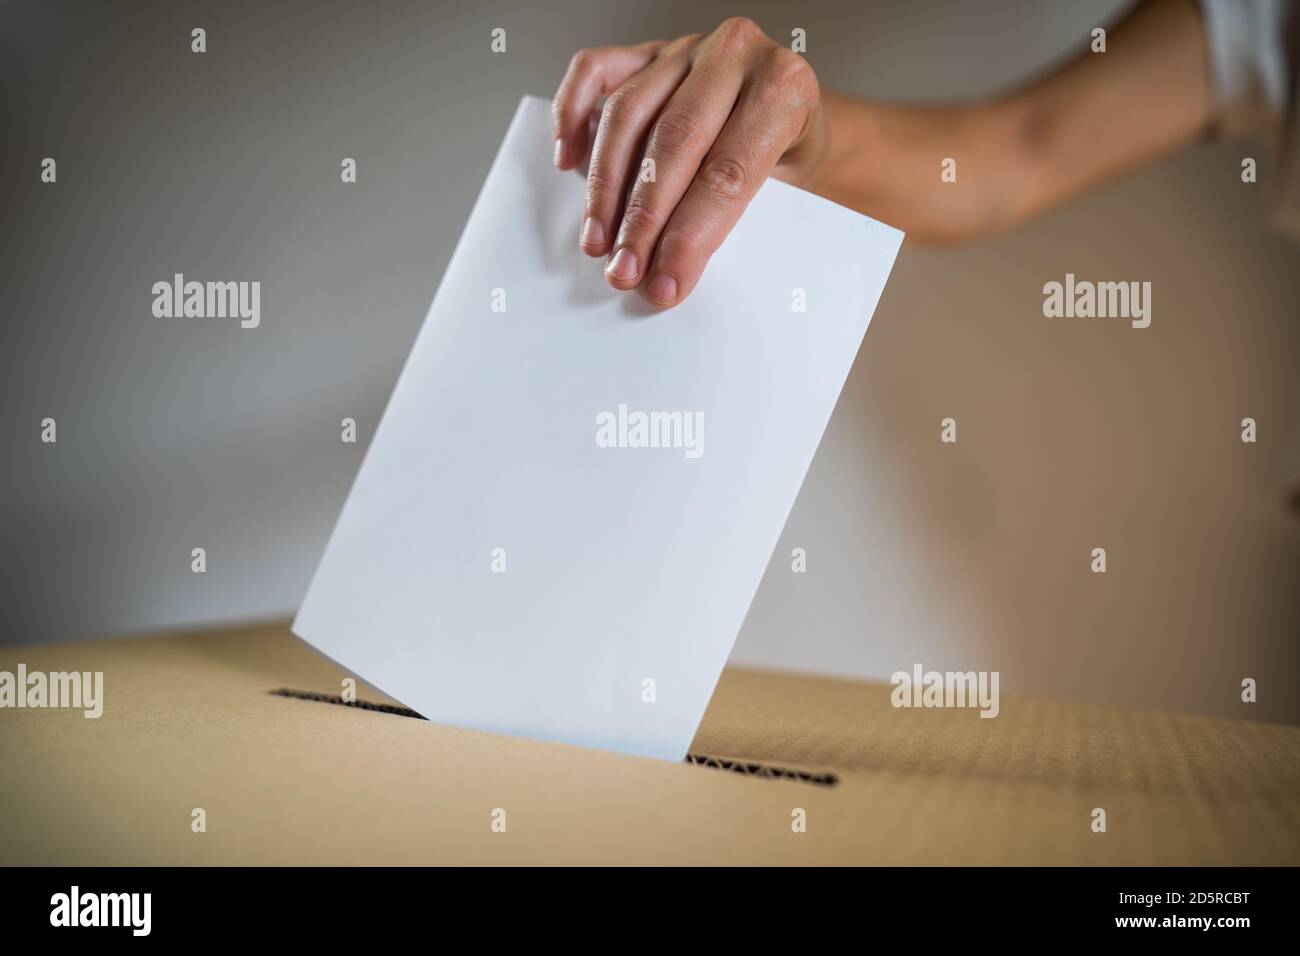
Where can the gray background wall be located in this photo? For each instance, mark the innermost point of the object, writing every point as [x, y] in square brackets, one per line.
[173, 435]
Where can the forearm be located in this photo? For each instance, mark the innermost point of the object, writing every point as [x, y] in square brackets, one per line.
[1096, 117]
[887, 162]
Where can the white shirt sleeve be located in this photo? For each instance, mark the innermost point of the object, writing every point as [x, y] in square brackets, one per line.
[1249, 69]
[1254, 58]
[1253, 48]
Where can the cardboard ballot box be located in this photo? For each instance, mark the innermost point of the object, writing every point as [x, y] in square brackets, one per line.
[195, 760]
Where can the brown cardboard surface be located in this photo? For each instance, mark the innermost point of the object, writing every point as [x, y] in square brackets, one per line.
[189, 722]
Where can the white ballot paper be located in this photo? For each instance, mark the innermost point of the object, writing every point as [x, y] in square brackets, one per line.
[571, 498]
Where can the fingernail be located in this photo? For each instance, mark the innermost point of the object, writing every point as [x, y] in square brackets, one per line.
[559, 151]
[593, 233]
[623, 266]
[662, 288]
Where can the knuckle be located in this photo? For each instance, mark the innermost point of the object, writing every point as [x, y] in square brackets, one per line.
[724, 177]
[678, 131]
[789, 70]
[639, 215]
[738, 32]
[788, 84]
[601, 182]
[583, 61]
[623, 108]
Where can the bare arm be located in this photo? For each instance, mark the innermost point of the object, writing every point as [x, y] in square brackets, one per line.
[719, 113]
[1094, 118]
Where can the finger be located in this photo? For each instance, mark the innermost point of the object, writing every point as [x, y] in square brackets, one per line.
[591, 75]
[769, 116]
[679, 140]
[615, 156]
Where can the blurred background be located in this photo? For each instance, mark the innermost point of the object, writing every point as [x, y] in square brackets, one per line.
[1072, 434]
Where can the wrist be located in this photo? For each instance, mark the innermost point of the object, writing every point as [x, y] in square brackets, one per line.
[1019, 138]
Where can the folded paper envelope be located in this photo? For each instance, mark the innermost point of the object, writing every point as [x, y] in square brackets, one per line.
[571, 498]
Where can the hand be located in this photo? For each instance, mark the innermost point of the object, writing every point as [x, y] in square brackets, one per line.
[717, 115]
